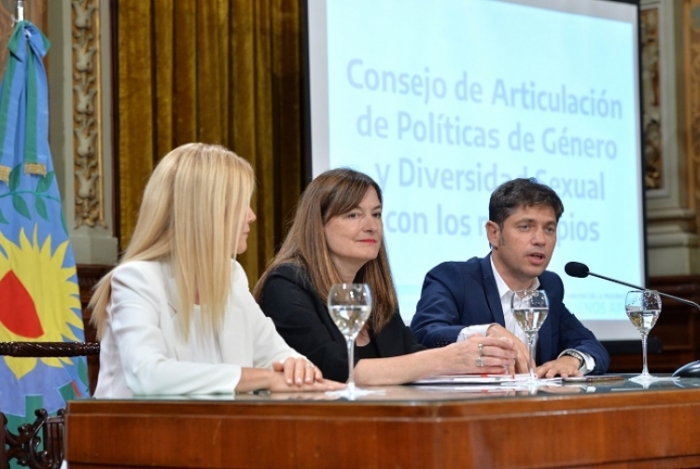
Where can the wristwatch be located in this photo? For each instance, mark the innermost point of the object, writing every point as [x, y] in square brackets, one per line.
[576, 354]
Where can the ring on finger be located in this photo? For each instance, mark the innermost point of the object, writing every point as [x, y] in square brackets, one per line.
[481, 350]
[309, 365]
[479, 362]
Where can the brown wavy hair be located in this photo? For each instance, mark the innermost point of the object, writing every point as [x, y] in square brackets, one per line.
[334, 193]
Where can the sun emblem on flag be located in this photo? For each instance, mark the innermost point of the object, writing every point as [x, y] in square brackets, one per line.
[40, 298]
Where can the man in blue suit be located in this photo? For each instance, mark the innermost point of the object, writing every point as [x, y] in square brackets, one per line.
[461, 299]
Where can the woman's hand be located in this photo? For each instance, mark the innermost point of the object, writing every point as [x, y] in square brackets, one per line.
[298, 371]
[299, 374]
[281, 384]
[479, 354]
[292, 375]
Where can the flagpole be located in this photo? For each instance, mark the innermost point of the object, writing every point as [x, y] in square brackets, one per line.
[19, 9]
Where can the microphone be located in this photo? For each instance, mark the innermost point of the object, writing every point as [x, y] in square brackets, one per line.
[579, 270]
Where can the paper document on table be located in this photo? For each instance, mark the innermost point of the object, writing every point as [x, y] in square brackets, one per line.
[480, 379]
[495, 389]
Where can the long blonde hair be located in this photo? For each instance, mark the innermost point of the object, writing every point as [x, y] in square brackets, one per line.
[193, 210]
[331, 194]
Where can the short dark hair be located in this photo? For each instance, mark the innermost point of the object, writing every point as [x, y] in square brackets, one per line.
[511, 195]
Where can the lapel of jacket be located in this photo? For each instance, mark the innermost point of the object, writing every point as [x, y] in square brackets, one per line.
[233, 321]
[491, 290]
[170, 319]
[227, 344]
[545, 334]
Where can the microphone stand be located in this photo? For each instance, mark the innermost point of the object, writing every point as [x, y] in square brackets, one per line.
[685, 368]
[19, 10]
[681, 300]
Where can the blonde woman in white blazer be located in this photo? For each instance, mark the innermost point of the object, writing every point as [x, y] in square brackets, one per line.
[176, 315]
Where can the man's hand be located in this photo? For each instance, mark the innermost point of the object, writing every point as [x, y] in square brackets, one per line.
[564, 366]
[521, 360]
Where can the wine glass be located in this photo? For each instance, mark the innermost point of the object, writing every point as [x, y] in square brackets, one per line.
[350, 305]
[530, 308]
[643, 308]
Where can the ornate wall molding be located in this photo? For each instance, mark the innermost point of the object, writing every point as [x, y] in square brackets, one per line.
[691, 40]
[87, 122]
[651, 96]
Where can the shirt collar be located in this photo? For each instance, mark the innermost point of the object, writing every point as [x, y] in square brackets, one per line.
[504, 289]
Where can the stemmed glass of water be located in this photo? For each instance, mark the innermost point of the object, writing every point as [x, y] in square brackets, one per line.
[643, 309]
[530, 308]
[350, 305]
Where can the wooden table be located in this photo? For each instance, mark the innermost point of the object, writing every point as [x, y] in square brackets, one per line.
[617, 425]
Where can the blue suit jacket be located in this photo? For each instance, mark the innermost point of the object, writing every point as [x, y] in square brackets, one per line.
[459, 294]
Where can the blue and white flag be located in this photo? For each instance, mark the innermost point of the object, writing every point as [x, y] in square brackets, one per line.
[39, 295]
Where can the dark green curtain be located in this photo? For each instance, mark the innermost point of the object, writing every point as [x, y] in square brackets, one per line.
[215, 71]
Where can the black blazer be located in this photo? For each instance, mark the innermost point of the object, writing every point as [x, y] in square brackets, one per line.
[302, 319]
[459, 294]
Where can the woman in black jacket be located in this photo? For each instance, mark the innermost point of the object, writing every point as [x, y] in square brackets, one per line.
[337, 237]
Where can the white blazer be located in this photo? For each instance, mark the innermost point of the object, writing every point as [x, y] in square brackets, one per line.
[142, 351]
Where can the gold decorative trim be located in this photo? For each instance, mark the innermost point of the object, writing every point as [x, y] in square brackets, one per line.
[651, 96]
[35, 168]
[691, 52]
[87, 115]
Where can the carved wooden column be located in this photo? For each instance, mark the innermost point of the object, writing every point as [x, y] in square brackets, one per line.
[81, 124]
